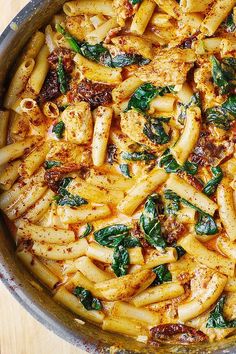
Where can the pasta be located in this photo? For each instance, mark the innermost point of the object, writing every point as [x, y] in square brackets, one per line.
[118, 162]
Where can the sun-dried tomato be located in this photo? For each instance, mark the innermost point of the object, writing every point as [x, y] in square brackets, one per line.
[94, 93]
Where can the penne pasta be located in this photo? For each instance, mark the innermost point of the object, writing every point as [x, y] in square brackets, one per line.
[142, 17]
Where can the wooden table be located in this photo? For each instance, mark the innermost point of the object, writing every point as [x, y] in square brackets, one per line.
[19, 332]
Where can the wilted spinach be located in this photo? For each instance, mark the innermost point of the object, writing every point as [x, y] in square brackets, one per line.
[211, 186]
[180, 251]
[138, 156]
[50, 164]
[111, 236]
[124, 168]
[224, 73]
[58, 129]
[62, 77]
[205, 225]
[172, 202]
[144, 94]
[134, 2]
[87, 231]
[194, 101]
[222, 116]
[111, 154]
[86, 298]
[163, 274]
[216, 318]
[120, 261]
[168, 162]
[229, 23]
[150, 223]
[155, 131]
[66, 198]
[122, 60]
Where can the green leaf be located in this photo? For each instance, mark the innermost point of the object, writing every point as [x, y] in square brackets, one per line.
[180, 251]
[144, 94]
[194, 101]
[62, 77]
[168, 162]
[75, 46]
[131, 242]
[134, 2]
[190, 167]
[172, 204]
[87, 231]
[230, 105]
[138, 156]
[220, 117]
[155, 132]
[120, 261]
[50, 164]
[150, 224]
[216, 318]
[219, 76]
[229, 23]
[211, 186]
[87, 300]
[66, 198]
[111, 236]
[124, 59]
[163, 274]
[124, 168]
[206, 225]
[59, 129]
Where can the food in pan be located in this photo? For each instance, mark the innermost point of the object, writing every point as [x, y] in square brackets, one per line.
[118, 165]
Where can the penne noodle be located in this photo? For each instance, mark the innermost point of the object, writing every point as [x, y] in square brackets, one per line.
[207, 257]
[91, 271]
[34, 46]
[124, 326]
[171, 7]
[9, 175]
[38, 269]
[60, 252]
[192, 195]
[33, 161]
[189, 137]
[40, 71]
[4, 119]
[50, 110]
[195, 6]
[44, 234]
[227, 208]
[100, 33]
[142, 17]
[13, 151]
[109, 181]
[158, 293]
[126, 88]
[65, 298]
[154, 259]
[40, 207]
[142, 188]
[74, 8]
[208, 297]
[85, 213]
[227, 247]
[103, 118]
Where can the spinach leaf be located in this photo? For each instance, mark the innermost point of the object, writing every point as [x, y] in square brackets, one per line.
[172, 202]
[229, 23]
[100, 54]
[205, 225]
[120, 261]
[216, 318]
[124, 168]
[144, 94]
[62, 77]
[194, 101]
[138, 156]
[86, 298]
[87, 231]
[180, 251]
[211, 186]
[168, 162]
[230, 105]
[220, 117]
[155, 132]
[124, 59]
[220, 77]
[131, 242]
[59, 129]
[190, 167]
[163, 274]
[150, 224]
[50, 164]
[134, 2]
[111, 236]
[66, 198]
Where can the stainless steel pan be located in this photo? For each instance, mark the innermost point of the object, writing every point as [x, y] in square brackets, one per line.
[13, 274]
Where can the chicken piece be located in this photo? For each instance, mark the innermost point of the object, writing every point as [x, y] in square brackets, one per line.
[68, 153]
[78, 123]
[169, 67]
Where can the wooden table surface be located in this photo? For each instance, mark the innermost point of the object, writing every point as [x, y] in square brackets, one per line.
[20, 333]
